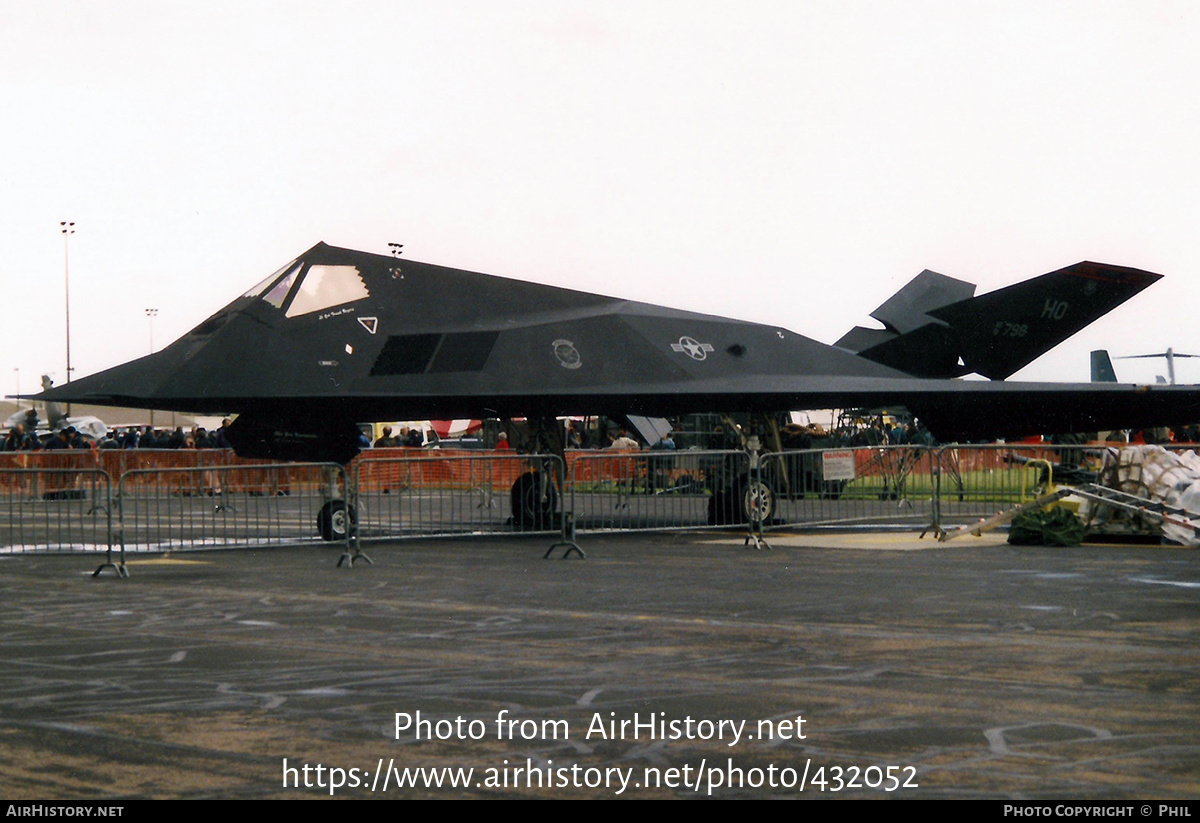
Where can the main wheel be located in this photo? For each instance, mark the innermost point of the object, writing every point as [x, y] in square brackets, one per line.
[758, 502]
[533, 510]
[742, 501]
[336, 520]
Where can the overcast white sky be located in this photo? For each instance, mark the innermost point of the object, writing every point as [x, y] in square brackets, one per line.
[789, 162]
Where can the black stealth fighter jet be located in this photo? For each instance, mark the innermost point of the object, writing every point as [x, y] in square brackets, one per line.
[339, 336]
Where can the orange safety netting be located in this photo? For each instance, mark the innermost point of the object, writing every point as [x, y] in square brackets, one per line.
[399, 469]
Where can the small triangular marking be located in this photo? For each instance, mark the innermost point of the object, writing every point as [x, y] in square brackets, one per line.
[371, 324]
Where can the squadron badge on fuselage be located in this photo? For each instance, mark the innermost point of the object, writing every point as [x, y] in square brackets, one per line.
[567, 354]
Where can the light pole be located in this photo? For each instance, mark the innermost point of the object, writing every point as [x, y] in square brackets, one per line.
[151, 313]
[68, 228]
[17, 369]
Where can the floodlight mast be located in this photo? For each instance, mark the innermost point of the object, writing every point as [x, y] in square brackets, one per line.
[68, 228]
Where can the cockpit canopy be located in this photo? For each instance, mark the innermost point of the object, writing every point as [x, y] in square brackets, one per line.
[299, 288]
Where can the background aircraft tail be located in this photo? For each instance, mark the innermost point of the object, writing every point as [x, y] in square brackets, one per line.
[54, 412]
[1102, 367]
[934, 327]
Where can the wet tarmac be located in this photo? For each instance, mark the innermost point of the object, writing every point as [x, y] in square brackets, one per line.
[965, 670]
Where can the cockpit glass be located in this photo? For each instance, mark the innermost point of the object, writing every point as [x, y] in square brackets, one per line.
[278, 293]
[262, 287]
[326, 286]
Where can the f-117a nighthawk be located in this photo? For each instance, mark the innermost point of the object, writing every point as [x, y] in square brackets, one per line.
[337, 337]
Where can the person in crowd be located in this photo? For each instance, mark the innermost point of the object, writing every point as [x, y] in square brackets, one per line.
[75, 439]
[18, 440]
[61, 441]
[658, 467]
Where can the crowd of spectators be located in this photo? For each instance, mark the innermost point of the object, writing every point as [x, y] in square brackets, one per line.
[23, 437]
[147, 437]
[410, 438]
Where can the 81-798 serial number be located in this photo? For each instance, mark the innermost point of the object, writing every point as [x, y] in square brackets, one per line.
[889, 778]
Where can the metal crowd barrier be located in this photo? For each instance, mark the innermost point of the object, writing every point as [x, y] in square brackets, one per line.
[438, 493]
[233, 506]
[862, 486]
[171, 500]
[55, 510]
[688, 489]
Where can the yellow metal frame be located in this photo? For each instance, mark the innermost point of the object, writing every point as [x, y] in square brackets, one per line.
[1029, 494]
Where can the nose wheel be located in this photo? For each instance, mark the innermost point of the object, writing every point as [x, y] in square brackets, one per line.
[336, 520]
